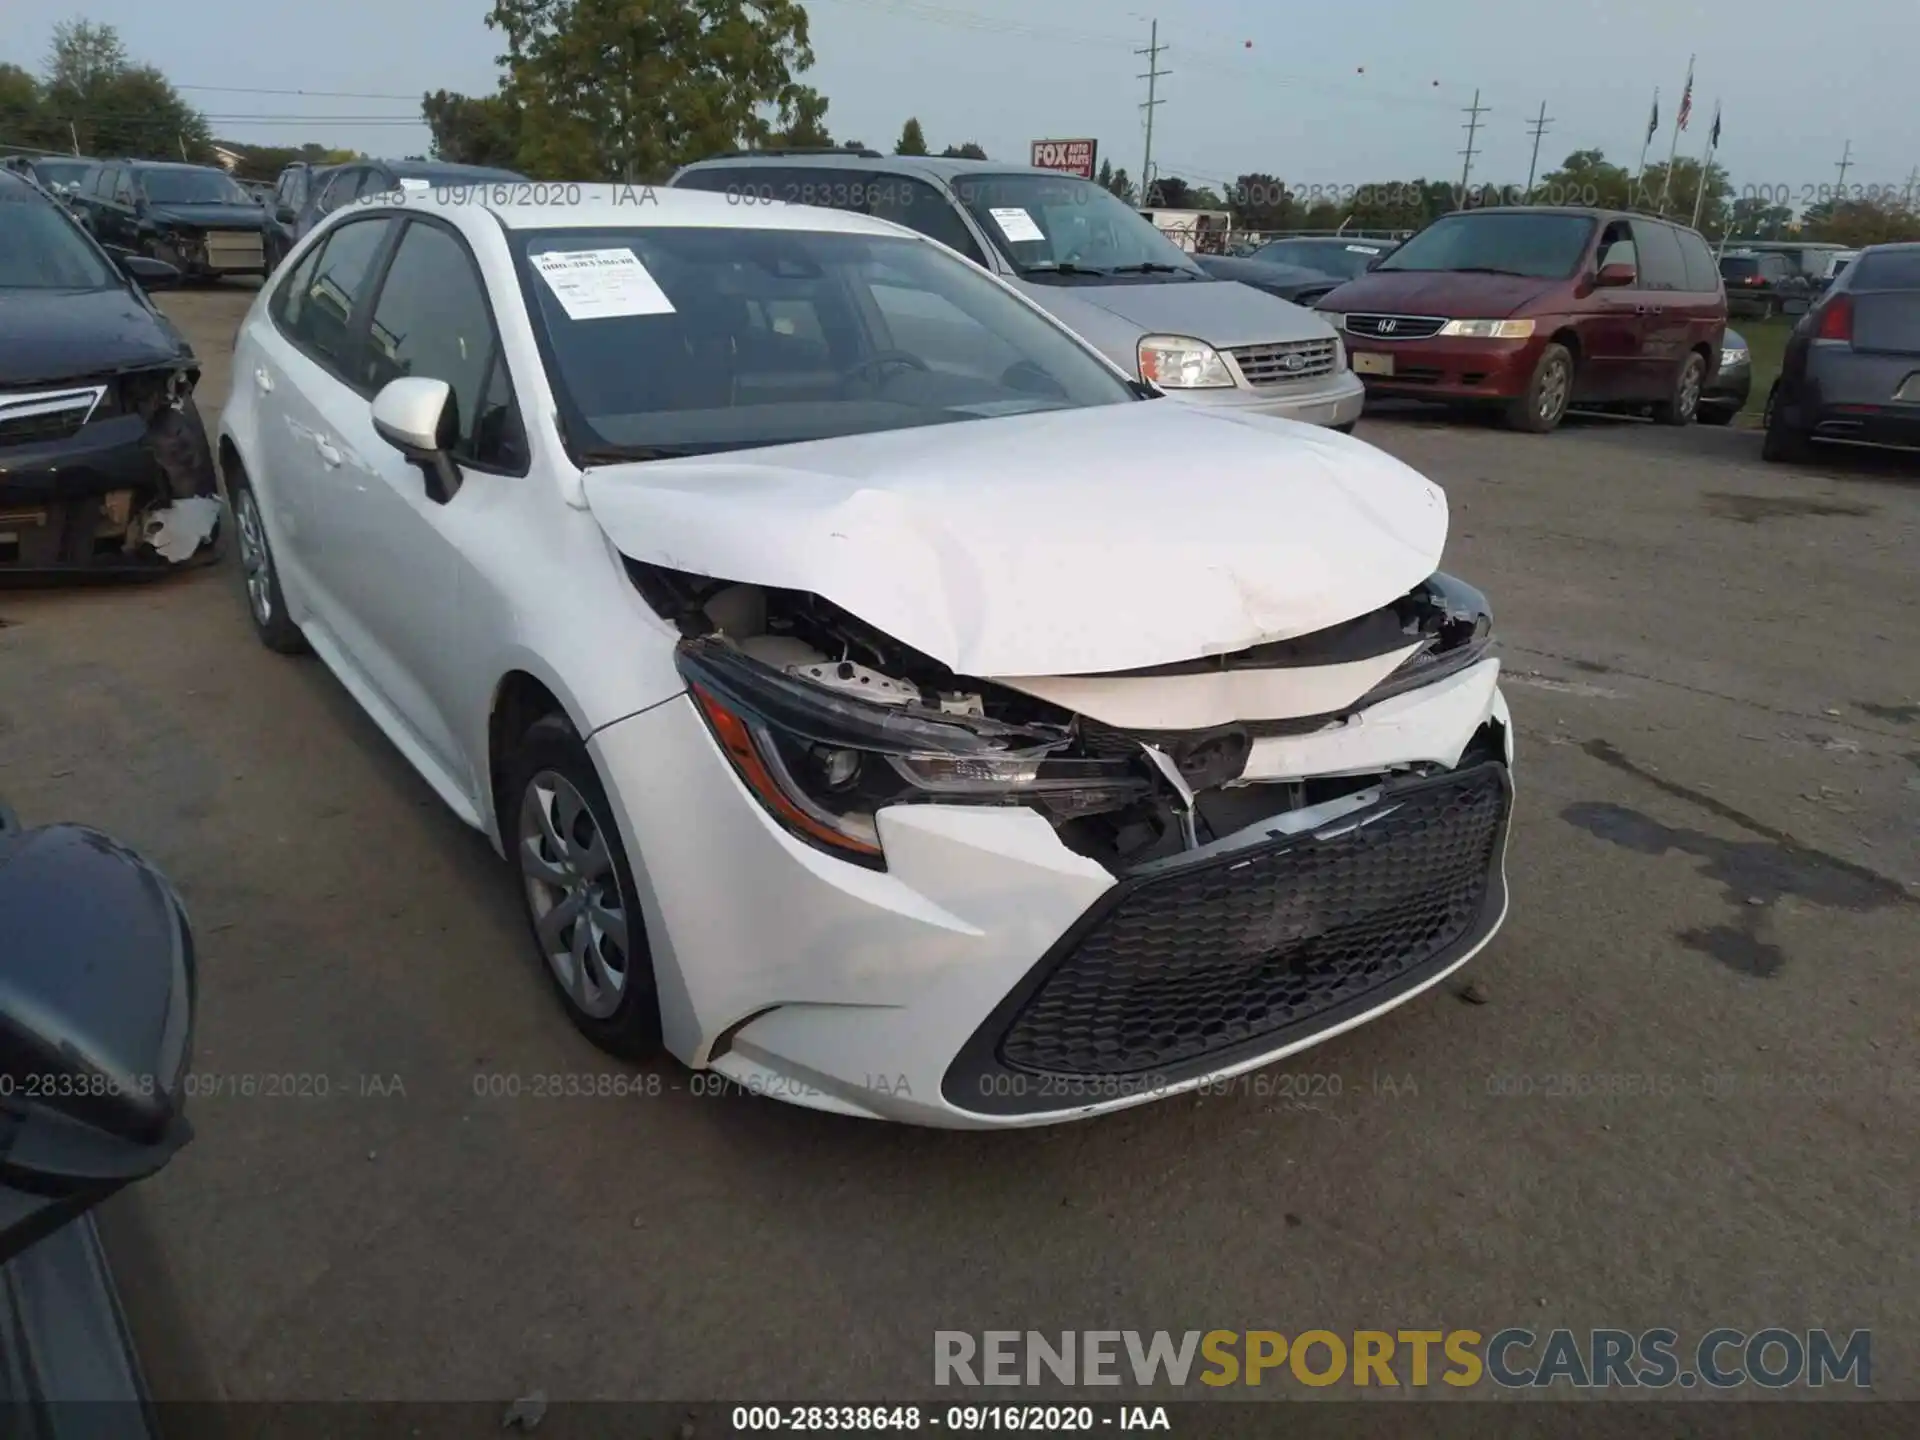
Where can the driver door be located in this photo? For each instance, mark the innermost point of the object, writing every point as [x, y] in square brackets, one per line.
[1613, 334]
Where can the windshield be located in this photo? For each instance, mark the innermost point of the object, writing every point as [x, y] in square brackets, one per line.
[191, 187]
[60, 172]
[1543, 247]
[683, 341]
[1055, 225]
[41, 249]
[1344, 258]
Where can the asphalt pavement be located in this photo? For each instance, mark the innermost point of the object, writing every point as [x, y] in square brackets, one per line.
[1683, 1089]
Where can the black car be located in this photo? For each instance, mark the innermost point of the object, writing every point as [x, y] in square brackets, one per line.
[1851, 371]
[104, 464]
[298, 183]
[1762, 284]
[194, 217]
[1726, 394]
[97, 982]
[361, 179]
[1304, 269]
[58, 175]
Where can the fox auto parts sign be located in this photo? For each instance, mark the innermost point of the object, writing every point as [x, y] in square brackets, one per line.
[1073, 156]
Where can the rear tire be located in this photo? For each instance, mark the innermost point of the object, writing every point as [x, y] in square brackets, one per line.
[1781, 443]
[259, 576]
[1544, 405]
[1683, 401]
[575, 885]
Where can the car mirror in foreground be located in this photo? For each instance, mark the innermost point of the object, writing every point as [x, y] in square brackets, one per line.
[96, 1025]
[415, 415]
[149, 273]
[1615, 275]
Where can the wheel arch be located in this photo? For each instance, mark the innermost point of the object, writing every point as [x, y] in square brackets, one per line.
[521, 699]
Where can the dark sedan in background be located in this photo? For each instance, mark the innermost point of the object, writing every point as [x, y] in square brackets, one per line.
[104, 464]
[359, 179]
[58, 175]
[1304, 269]
[196, 218]
[1851, 371]
[1725, 396]
[298, 183]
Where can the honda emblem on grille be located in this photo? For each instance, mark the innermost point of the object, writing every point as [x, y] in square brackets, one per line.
[1387, 327]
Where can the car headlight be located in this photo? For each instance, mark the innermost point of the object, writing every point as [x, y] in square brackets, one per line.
[1177, 362]
[1450, 622]
[1733, 355]
[823, 764]
[1488, 329]
[1333, 318]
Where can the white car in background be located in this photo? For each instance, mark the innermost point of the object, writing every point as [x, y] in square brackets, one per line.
[876, 703]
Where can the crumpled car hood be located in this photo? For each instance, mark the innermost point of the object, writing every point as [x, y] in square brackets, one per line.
[1073, 542]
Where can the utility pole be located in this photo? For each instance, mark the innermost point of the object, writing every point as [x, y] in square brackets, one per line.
[1473, 113]
[1539, 128]
[1153, 77]
[1913, 178]
[1846, 164]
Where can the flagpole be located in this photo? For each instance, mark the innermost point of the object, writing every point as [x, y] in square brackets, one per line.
[1633, 201]
[1706, 166]
[1686, 99]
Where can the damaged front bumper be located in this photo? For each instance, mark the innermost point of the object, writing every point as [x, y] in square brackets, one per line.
[112, 476]
[992, 975]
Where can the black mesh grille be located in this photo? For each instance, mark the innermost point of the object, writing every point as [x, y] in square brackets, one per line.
[1208, 958]
[36, 429]
[1394, 327]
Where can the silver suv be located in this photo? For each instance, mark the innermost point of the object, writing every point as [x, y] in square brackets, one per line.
[1090, 260]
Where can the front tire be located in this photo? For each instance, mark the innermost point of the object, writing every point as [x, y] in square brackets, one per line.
[1683, 401]
[577, 889]
[266, 606]
[1544, 405]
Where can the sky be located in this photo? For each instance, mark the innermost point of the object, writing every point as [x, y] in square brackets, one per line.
[1314, 92]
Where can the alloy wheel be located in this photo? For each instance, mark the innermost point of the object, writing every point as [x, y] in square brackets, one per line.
[254, 561]
[573, 891]
[1553, 390]
[1688, 400]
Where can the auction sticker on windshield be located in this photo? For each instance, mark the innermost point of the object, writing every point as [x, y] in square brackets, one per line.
[601, 284]
[1016, 224]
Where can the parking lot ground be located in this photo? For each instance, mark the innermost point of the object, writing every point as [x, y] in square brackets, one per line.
[1687, 1094]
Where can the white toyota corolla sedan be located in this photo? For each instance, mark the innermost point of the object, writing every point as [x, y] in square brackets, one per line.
[882, 700]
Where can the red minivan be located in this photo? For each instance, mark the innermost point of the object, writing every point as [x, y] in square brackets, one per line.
[1534, 309]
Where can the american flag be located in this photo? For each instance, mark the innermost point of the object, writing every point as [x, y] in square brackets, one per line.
[1686, 101]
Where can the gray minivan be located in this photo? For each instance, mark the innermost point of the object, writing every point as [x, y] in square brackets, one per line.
[1090, 260]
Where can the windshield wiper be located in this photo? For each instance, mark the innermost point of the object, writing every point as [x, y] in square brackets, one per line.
[627, 454]
[1487, 270]
[1061, 267]
[1151, 267]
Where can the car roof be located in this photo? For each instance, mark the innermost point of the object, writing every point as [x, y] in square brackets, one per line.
[428, 169]
[171, 165]
[619, 207]
[938, 167]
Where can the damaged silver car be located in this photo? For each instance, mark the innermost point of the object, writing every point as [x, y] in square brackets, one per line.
[104, 463]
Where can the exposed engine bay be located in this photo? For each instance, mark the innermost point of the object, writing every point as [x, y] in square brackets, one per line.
[832, 720]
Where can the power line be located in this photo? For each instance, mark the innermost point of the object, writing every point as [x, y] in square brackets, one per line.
[1153, 76]
[1538, 128]
[1473, 113]
[318, 94]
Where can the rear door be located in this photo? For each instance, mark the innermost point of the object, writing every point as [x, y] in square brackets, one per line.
[1705, 299]
[1666, 315]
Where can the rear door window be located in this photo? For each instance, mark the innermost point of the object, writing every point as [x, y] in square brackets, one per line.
[1703, 277]
[320, 319]
[1662, 267]
[1885, 270]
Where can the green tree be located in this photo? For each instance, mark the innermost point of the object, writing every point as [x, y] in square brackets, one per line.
[1586, 177]
[632, 89]
[472, 129]
[1755, 218]
[1169, 192]
[113, 106]
[24, 118]
[1262, 202]
[1865, 221]
[1118, 181]
[966, 150]
[1678, 197]
[806, 123]
[913, 140]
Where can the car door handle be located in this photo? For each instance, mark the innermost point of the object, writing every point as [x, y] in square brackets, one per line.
[262, 380]
[329, 456]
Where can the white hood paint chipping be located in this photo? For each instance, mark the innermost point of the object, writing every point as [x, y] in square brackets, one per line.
[1067, 543]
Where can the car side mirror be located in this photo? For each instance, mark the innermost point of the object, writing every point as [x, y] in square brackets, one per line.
[147, 272]
[1617, 274]
[97, 993]
[416, 415]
